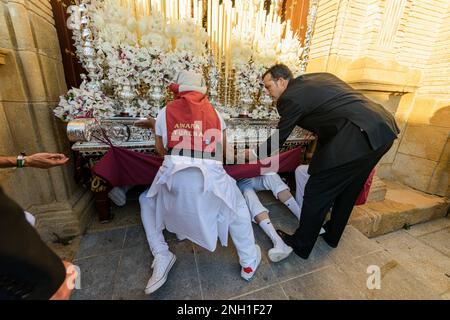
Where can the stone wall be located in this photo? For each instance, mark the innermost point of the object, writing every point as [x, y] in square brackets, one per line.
[397, 53]
[31, 80]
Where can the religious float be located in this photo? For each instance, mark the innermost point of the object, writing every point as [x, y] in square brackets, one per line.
[132, 49]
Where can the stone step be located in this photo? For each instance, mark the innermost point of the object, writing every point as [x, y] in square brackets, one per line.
[401, 208]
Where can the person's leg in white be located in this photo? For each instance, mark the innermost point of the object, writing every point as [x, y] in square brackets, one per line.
[287, 198]
[163, 258]
[301, 178]
[118, 195]
[30, 218]
[280, 249]
[241, 233]
[260, 215]
[281, 191]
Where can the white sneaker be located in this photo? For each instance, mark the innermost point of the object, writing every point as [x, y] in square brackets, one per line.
[248, 272]
[118, 196]
[181, 237]
[161, 266]
[279, 252]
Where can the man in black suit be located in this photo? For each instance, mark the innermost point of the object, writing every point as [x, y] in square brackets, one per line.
[353, 134]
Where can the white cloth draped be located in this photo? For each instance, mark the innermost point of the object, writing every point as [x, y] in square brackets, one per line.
[196, 198]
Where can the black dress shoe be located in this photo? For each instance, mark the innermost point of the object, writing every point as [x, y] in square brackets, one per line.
[289, 240]
[325, 236]
[328, 242]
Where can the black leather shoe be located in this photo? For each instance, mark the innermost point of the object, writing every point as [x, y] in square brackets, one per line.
[289, 240]
[328, 242]
[325, 236]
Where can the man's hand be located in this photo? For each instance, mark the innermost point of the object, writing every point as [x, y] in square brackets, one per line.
[148, 123]
[45, 160]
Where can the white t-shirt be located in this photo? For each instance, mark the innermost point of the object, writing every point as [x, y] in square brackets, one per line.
[161, 125]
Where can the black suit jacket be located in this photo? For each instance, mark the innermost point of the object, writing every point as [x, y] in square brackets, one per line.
[347, 124]
[28, 267]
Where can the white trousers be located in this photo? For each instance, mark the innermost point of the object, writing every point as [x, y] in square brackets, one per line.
[301, 178]
[250, 186]
[240, 228]
[30, 218]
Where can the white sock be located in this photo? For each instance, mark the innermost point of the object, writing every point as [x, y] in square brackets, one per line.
[268, 228]
[293, 206]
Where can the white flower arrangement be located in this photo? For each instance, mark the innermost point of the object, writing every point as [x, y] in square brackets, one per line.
[84, 102]
[140, 53]
[122, 67]
[129, 52]
[248, 79]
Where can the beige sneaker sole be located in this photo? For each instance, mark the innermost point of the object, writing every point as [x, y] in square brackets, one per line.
[276, 256]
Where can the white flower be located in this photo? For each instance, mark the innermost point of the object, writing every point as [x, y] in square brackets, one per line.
[131, 24]
[84, 102]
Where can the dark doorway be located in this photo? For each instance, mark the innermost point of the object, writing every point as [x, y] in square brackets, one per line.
[72, 68]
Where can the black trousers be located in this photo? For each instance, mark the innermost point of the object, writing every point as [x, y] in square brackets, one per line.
[338, 187]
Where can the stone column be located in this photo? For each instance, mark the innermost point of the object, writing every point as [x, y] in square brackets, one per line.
[32, 78]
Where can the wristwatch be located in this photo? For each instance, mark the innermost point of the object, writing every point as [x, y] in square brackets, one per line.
[20, 162]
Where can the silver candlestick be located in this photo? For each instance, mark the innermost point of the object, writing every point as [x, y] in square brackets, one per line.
[312, 15]
[156, 95]
[213, 80]
[126, 94]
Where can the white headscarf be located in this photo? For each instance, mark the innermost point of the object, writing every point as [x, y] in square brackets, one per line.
[190, 81]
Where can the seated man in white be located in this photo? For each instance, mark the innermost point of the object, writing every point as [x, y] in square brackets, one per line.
[260, 214]
[192, 196]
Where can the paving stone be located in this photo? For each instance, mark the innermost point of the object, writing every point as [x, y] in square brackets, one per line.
[66, 252]
[97, 277]
[274, 292]
[126, 216]
[135, 270]
[423, 261]
[101, 242]
[398, 239]
[327, 283]
[220, 273]
[396, 282]
[439, 240]
[429, 227]
[135, 236]
[352, 244]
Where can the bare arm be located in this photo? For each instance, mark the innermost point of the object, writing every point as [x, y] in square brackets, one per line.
[148, 123]
[7, 162]
[37, 160]
[65, 290]
[289, 112]
[159, 146]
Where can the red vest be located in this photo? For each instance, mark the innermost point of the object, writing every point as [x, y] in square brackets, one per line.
[192, 123]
